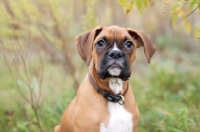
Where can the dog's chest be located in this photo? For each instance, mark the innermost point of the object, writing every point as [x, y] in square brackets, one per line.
[120, 119]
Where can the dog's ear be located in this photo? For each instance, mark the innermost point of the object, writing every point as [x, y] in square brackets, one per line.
[84, 43]
[143, 40]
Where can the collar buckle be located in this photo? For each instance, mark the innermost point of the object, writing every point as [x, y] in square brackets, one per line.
[122, 100]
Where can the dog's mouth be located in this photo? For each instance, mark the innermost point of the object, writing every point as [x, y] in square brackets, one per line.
[115, 71]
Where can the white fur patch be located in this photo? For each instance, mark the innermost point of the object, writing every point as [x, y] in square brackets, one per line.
[115, 71]
[115, 47]
[120, 119]
[116, 85]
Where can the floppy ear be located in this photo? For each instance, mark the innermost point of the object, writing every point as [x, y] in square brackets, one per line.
[84, 43]
[143, 40]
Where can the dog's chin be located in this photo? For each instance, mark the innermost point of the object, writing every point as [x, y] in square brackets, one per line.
[114, 71]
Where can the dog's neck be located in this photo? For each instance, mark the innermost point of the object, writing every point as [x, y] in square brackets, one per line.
[115, 85]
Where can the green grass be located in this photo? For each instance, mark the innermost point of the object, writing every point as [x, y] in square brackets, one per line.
[168, 98]
[166, 91]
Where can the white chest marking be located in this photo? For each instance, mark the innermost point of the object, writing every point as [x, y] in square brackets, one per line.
[120, 119]
[116, 84]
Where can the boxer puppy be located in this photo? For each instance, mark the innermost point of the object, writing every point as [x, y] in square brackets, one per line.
[105, 101]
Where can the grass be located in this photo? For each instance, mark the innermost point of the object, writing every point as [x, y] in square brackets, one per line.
[166, 91]
[169, 97]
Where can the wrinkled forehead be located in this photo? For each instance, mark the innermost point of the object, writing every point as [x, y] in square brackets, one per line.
[114, 33]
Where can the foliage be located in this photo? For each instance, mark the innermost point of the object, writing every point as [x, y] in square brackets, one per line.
[90, 16]
[18, 113]
[180, 12]
[42, 24]
[29, 26]
[128, 4]
[169, 100]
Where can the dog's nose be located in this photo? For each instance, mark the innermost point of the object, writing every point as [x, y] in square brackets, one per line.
[115, 54]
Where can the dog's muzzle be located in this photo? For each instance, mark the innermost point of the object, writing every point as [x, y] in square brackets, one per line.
[114, 64]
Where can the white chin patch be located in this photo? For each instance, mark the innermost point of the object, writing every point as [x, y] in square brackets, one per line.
[114, 71]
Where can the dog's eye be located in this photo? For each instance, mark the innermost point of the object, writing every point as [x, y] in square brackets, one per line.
[100, 44]
[128, 44]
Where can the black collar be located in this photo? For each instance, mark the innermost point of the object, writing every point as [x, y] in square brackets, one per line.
[107, 94]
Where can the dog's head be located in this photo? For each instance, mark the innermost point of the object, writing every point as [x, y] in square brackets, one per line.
[113, 50]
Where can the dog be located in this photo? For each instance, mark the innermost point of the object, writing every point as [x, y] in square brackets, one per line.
[105, 101]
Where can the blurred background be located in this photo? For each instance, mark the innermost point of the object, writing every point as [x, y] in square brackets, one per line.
[40, 69]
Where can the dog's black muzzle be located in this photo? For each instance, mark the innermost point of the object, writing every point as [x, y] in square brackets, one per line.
[114, 59]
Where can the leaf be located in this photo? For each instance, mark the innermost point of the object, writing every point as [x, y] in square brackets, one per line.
[145, 3]
[197, 34]
[188, 27]
[174, 21]
[166, 2]
[122, 2]
[139, 5]
[192, 4]
[152, 2]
